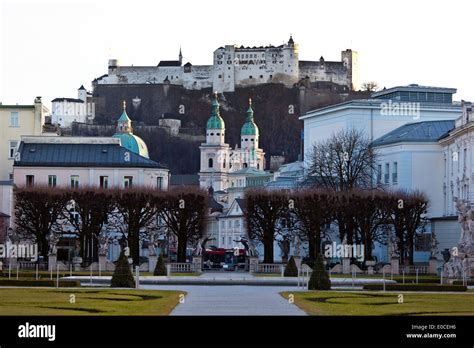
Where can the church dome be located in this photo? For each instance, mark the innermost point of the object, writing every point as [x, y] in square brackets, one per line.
[127, 139]
[249, 127]
[133, 143]
[215, 121]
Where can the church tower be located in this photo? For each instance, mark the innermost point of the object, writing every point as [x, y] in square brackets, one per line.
[252, 155]
[214, 152]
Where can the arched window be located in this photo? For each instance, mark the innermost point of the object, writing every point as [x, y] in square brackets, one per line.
[223, 164]
[211, 162]
[245, 165]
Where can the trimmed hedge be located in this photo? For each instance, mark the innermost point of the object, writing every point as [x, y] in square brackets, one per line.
[160, 268]
[411, 280]
[459, 282]
[319, 278]
[123, 277]
[291, 270]
[40, 282]
[415, 287]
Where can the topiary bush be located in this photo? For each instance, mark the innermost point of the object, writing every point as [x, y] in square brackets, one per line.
[160, 268]
[122, 277]
[319, 278]
[291, 270]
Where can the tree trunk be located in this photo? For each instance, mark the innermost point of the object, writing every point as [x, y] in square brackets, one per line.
[268, 250]
[182, 244]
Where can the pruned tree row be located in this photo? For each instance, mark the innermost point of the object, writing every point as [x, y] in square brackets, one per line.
[88, 214]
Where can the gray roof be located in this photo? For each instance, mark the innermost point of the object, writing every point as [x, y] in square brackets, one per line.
[71, 100]
[80, 155]
[184, 179]
[427, 131]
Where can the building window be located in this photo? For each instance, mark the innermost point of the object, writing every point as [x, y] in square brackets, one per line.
[74, 181]
[127, 181]
[14, 119]
[395, 173]
[104, 182]
[159, 183]
[379, 174]
[30, 180]
[387, 173]
[12, 149]
[210, 163]
[52, 180]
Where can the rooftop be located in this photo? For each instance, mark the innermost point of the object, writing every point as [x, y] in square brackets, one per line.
[414, 88]
[60, 154]
[428, 131]
[70, 100]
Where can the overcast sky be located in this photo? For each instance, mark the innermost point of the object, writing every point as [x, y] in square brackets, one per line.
[50, 48]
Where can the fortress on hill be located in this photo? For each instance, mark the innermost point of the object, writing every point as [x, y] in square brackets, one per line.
[235, 67]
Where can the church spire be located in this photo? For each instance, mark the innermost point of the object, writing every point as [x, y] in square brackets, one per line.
[180, 55]
[124, 123]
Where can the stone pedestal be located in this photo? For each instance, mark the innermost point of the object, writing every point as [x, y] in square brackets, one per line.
[346, 265]
[76, 263]
[197, 262]
[395, 265]
[102, 263]
[152, 260]
[370, 266]
[432, 266]
[253, 264]
[297, 261]
[52, 261]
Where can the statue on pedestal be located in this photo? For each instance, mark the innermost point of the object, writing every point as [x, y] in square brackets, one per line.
[53, 240]
[460, 262]
[103, 245]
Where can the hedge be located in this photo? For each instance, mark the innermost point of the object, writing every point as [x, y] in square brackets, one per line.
[415, 287]
[411, 280]
[460, 282]
[40, 282]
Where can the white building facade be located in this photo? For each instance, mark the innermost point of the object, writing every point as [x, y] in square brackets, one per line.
[69, 110]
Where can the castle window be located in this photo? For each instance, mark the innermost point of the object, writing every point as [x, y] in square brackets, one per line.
[223, 164]
[212, 133]
[211, 163]
[217, 133]
[220, 76]
[246, 139]
[245, 165]
[261, 76]
[250, 77]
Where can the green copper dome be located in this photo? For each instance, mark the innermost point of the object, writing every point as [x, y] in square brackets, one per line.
[127, 139]
[215, 121]
[249, 127]
[133, 143]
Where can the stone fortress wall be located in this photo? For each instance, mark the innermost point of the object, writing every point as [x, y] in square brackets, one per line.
[235, 67]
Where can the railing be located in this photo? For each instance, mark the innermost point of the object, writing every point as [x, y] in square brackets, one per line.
[181, 267]
[414, 269]
[269, 268]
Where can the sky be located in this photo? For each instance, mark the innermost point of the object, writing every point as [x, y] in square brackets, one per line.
[51, 48]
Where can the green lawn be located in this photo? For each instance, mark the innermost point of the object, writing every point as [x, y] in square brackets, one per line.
[20, 301]
[370, 303]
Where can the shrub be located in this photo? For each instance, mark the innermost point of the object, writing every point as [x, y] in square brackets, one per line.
[415, 287]
[123, 277]
[319, 278]
[291, 270]
[160, 268]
